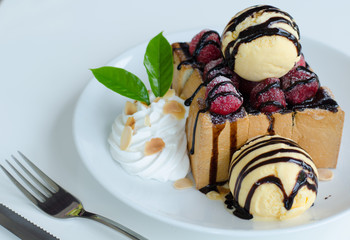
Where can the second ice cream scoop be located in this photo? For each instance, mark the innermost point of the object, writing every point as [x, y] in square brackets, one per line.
[272, 177]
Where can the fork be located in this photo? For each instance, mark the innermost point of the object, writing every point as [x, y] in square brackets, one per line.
[56, 201]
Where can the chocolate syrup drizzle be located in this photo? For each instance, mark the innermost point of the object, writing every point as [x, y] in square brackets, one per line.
[259, 30]
[186, 50]
[233, 139]
[313, 78]
[321, 100]
[269, 103]
[214, 154]
[306, 173]
[231, 26]
[211, 187]
[274, 140]
[268, 88]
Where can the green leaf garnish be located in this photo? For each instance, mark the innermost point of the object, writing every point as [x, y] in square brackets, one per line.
[123, 82]
[158, 61]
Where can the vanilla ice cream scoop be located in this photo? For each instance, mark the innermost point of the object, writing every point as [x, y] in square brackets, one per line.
[261, 42]
[271, 177]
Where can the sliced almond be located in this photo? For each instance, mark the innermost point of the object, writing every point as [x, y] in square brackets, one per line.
[130, 108]
[145, 105]
[130, 122]
[325, 174]
[170, 93]
[156, 100]
[183, 183]
[125, 138]
[175, 108]
[147, 121]
[153, 146]
[213, 195]
[223, 191]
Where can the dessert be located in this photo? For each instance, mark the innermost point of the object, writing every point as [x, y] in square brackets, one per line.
[259, 119]
[261, 84]
[150, 141]
[271, 177]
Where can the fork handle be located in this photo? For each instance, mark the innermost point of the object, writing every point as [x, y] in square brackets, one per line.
[114, 225]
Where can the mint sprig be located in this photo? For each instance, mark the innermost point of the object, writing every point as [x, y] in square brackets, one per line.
[158, 61]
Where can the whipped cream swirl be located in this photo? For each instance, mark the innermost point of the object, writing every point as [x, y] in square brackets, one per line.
[171, 162]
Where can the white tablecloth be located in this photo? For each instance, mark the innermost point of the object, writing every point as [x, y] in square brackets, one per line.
[46, 50]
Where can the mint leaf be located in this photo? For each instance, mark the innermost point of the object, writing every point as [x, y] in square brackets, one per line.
[158, 61]
[123, 82]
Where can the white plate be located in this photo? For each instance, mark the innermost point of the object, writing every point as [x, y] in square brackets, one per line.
[98, 107]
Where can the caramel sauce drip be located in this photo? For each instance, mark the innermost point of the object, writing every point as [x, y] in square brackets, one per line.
[271, 129]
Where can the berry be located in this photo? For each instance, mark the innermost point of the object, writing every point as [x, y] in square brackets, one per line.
[218, 68]
[212, 68]
[300, 84]
[205, 46]
[222, 97]
[267, 96]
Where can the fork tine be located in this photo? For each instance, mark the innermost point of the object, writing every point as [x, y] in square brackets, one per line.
[40, 173]
[27, 182]
[47, 191]
[20, 187]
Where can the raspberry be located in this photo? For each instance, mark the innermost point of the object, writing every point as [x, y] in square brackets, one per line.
[212, 68]
[267, 96]
[205, 46]
[300, 84]
[218, 68]
[222, 97]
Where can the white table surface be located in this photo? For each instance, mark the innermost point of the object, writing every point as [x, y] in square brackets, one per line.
[46, 50]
